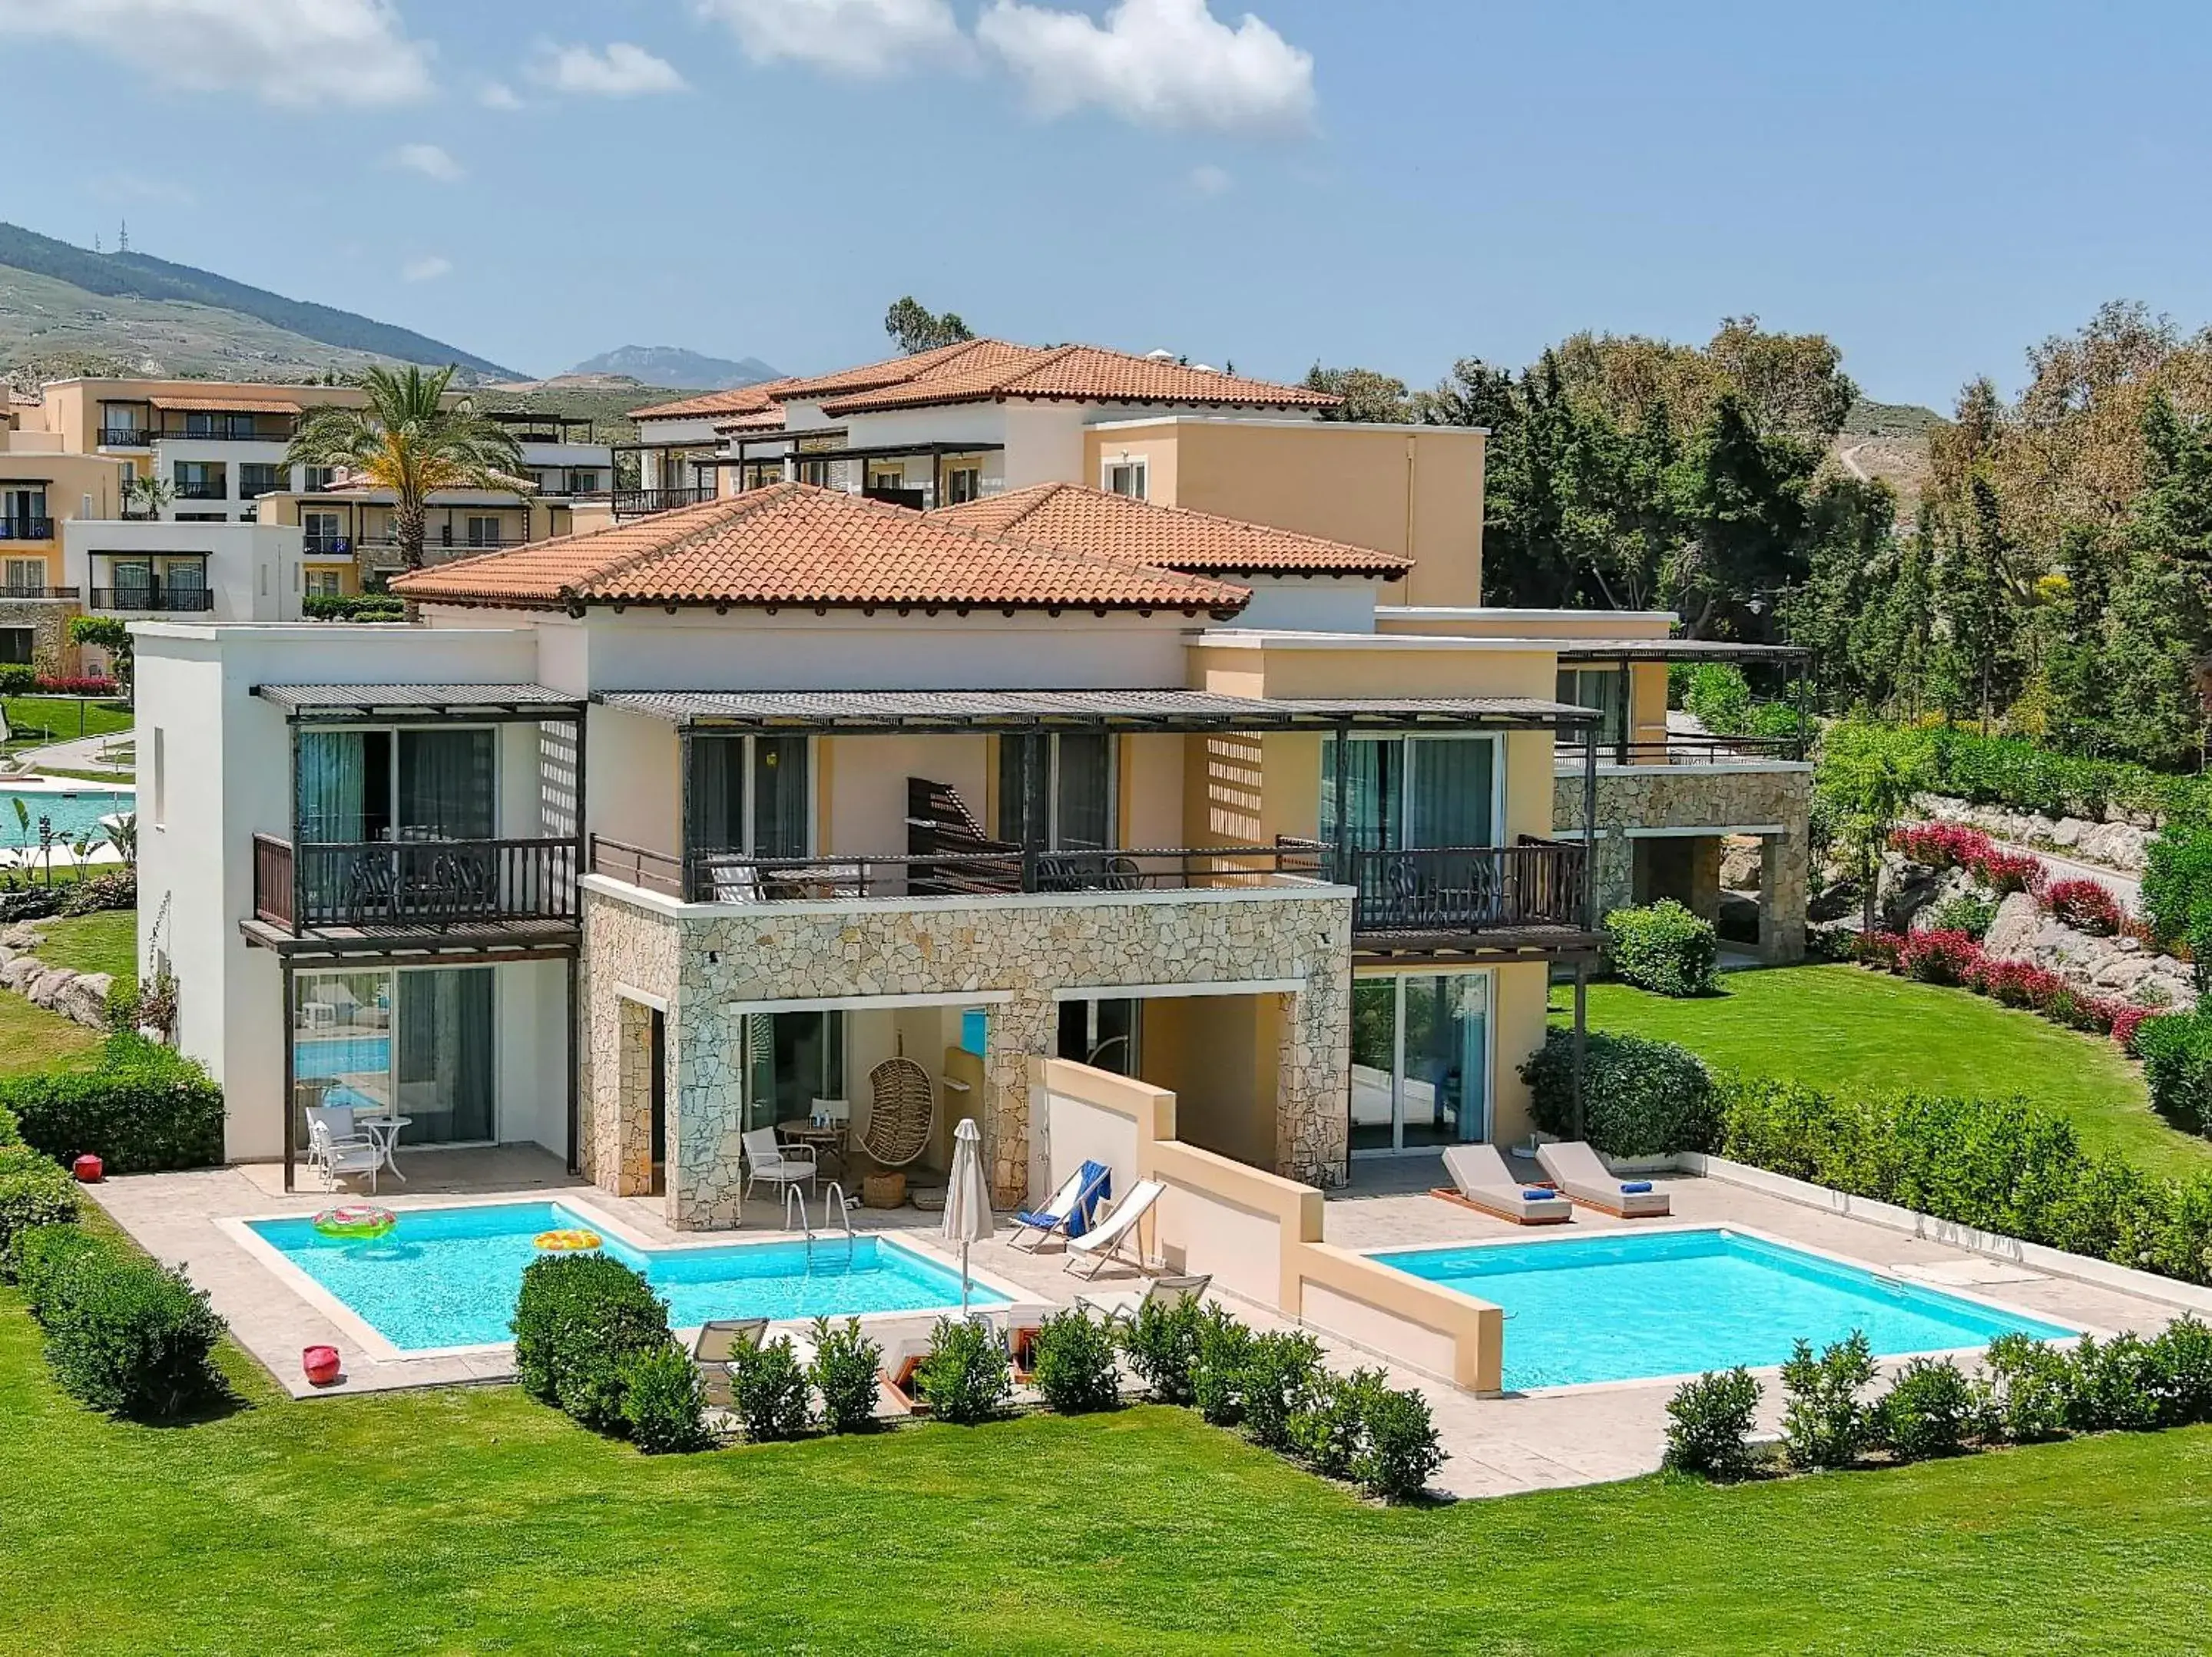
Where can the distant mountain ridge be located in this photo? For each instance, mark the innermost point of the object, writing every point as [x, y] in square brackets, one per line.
[48, 317]
[672, 364]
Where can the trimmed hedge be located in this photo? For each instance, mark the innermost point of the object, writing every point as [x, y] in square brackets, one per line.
[580, 1323]
[2176, 1049]
[1662, 948]
[34, 1192]
[1640, 1098]
[124, 1334]
[354, 607]
[144, 1109]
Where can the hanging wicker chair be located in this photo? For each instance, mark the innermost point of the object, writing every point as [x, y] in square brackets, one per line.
[902, 1115]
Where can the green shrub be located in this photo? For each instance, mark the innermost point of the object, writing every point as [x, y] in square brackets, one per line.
[145, 1108]
[2181, 1365]
[768, 1391]
[1640, 1098]
[353, 607]
[1708, 1425]
[1824, 1423]
[1218, 1367]
[580, 1318]
[1662, 948]
[665, 1402]
[1968, 912]
[2031, 1387]
[130, 1339]
[34, 1191]
[1326, 1430]
[1930, 1410]
[43, 1260]
[1162, 1342]
[2176, 1049]
[2115, 1386]
[846, 1363]
[11, 1132]
[965, 1379]
[1275, 1381]
[2176, 881]
[1717, 695]
[1401, 1451]
[18, 679]
[1071, 1363]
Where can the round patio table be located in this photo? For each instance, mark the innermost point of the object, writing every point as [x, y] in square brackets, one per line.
[383, 1132]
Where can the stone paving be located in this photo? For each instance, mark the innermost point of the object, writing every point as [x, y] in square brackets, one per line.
[1498, 1446]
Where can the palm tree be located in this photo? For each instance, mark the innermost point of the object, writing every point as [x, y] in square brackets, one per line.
[408, 441]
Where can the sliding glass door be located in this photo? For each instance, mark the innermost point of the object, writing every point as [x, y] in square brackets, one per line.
[417, 1042]
[1056, 793]
[361, 786]
[1404, 793]
[752, 795]
[790, 1059]
[1420, 1061]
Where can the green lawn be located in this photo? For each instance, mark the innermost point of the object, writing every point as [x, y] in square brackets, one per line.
[104, 943]
[33, 1039]
[1844, 1027]
[471, 1521]
[33, 721]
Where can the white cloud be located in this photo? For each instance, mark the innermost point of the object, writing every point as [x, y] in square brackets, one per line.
[1207, 180]
[429, 161]
[497, 94]
[623, 70]
[428, 268]
[301, 53]
[1157, 63]
[848, 37]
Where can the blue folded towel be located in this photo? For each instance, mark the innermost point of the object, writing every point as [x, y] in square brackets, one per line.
[1635, 1187]
[1044, 1221]
[1536, 1193]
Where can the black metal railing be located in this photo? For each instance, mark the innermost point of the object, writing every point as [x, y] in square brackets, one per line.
[432, 883]
[124, 437]
[206, 488]
[9, 590]
[1686, 750]
[225, 434]
[325, 546]
[26, 529]
[637, 503]
[1462, 890]
[155, 596]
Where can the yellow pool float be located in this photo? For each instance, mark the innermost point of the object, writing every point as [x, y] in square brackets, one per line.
[568, 1238]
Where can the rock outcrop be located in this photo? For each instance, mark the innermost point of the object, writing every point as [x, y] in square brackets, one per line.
[81, 997]
[2117, 844]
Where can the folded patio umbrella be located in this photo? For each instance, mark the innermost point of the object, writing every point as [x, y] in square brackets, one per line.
[967, 1199]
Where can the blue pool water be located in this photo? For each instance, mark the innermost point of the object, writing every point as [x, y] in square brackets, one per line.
[449, 1277]
[1627, 1306]
[75, 814]
[315, 1057]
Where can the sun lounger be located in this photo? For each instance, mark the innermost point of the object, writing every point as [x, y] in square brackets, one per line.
[1576, 1169]
[713, 1348]
[1069, 1211]
[1484, 1182]
[1115, 1237]
[1122, 1305]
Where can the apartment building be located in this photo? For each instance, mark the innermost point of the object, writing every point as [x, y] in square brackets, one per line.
[679, 825]
[42, 491]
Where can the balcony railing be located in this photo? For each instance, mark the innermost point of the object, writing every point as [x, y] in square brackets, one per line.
[228, 434]
[1464, 890]
[7, 591]
[124, 437]
[1687, 750]
[429, 884]
[204, 490]
[155, 595]
[26, 529]
[325, 546]
[637, 503]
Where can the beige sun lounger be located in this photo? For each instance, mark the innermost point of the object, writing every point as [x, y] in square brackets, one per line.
[1104, 1241]
[1122, 1305]
[1484, 1181]
[1575, 1168]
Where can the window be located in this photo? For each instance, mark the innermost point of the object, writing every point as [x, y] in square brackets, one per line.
[1101, 1031]
[15, 647]
[161, 777]
[122, 422]
[416, 1041]
[963, 484]
[320, 533]
[583, 480]
[1125, 477]
[791, 1058]
[1402, 793]
[26, 576]
[201, 480]
[1420, 1061]
[1057, 793]
[202, 518]
[23, 511]
[256, 478]
[752, 795]
[1603, 689]
[484, 531]
[316, 479]
[323, 584]
[358, 786]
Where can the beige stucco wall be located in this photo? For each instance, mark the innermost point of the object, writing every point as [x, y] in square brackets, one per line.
[1513, 621]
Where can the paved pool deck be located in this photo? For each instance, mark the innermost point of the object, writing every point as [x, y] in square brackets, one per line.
[1498, 1446]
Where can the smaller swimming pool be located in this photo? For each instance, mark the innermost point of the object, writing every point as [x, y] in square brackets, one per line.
[1630, 1306]
[75, 813]
[450, 1277]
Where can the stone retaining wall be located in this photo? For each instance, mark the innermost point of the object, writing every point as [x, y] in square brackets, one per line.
[52, 652]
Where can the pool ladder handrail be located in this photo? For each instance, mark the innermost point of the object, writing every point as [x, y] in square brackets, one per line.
[834, 1201]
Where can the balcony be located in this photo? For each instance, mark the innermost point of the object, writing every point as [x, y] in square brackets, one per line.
[325, 546]
[1437, 895]
[124, 437]
[26, 529]
[204, 489]
[8, 593]
[412, 887]
[1688, 751]
[155, 595]
[220, 434]
[638, 503]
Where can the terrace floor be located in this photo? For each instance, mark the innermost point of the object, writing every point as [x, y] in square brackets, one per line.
[1574, 1435]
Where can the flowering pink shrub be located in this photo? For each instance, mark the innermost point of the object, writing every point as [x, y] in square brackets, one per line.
[1938, 957]
[2009, 871]
[2126, 1021]
[90, 685]
[1877, 949]
[2085, 905]
[1942, 845]
[1949, 957]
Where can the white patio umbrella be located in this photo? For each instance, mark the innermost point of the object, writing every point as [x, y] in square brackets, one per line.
[968, 1199]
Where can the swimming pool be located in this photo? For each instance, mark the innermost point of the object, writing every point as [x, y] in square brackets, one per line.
[317, 1058]
[76, 812]
[449, 1277]
[1638, 1305]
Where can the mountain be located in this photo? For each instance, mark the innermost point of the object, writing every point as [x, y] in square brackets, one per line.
[1889, 442]
[64, 308]
[671, 365]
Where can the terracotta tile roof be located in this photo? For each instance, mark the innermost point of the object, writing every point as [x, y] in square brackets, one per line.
[962, 355]
[993, 370]
[739, 400]
[1107, 525]
[792, 543]
[226, 404]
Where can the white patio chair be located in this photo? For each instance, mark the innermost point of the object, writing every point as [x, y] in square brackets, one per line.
[782, 1166]
[336, 1149]
[1104, 1240]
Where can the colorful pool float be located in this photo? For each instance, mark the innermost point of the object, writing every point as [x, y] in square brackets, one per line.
[567, 1239]
[355, 1220]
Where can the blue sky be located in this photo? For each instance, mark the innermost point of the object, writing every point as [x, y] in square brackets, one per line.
[1392, 183]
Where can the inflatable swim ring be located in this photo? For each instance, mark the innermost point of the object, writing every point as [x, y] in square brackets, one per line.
[355, 1220]
[568, 1238]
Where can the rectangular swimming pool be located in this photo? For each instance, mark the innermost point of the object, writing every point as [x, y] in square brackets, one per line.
[449, 1277]
[1630, 1306]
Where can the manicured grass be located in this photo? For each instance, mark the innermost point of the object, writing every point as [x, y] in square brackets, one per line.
[33, 721]
[33, 1039]
[104, 943]
[473, 1521]
[1844, 1027]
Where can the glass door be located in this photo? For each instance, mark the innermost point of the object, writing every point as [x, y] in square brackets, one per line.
[1101, 1031]
[1420, 1061]
[1403, 793]
[418, 1043]
[791, 1058]
[1056, 793]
